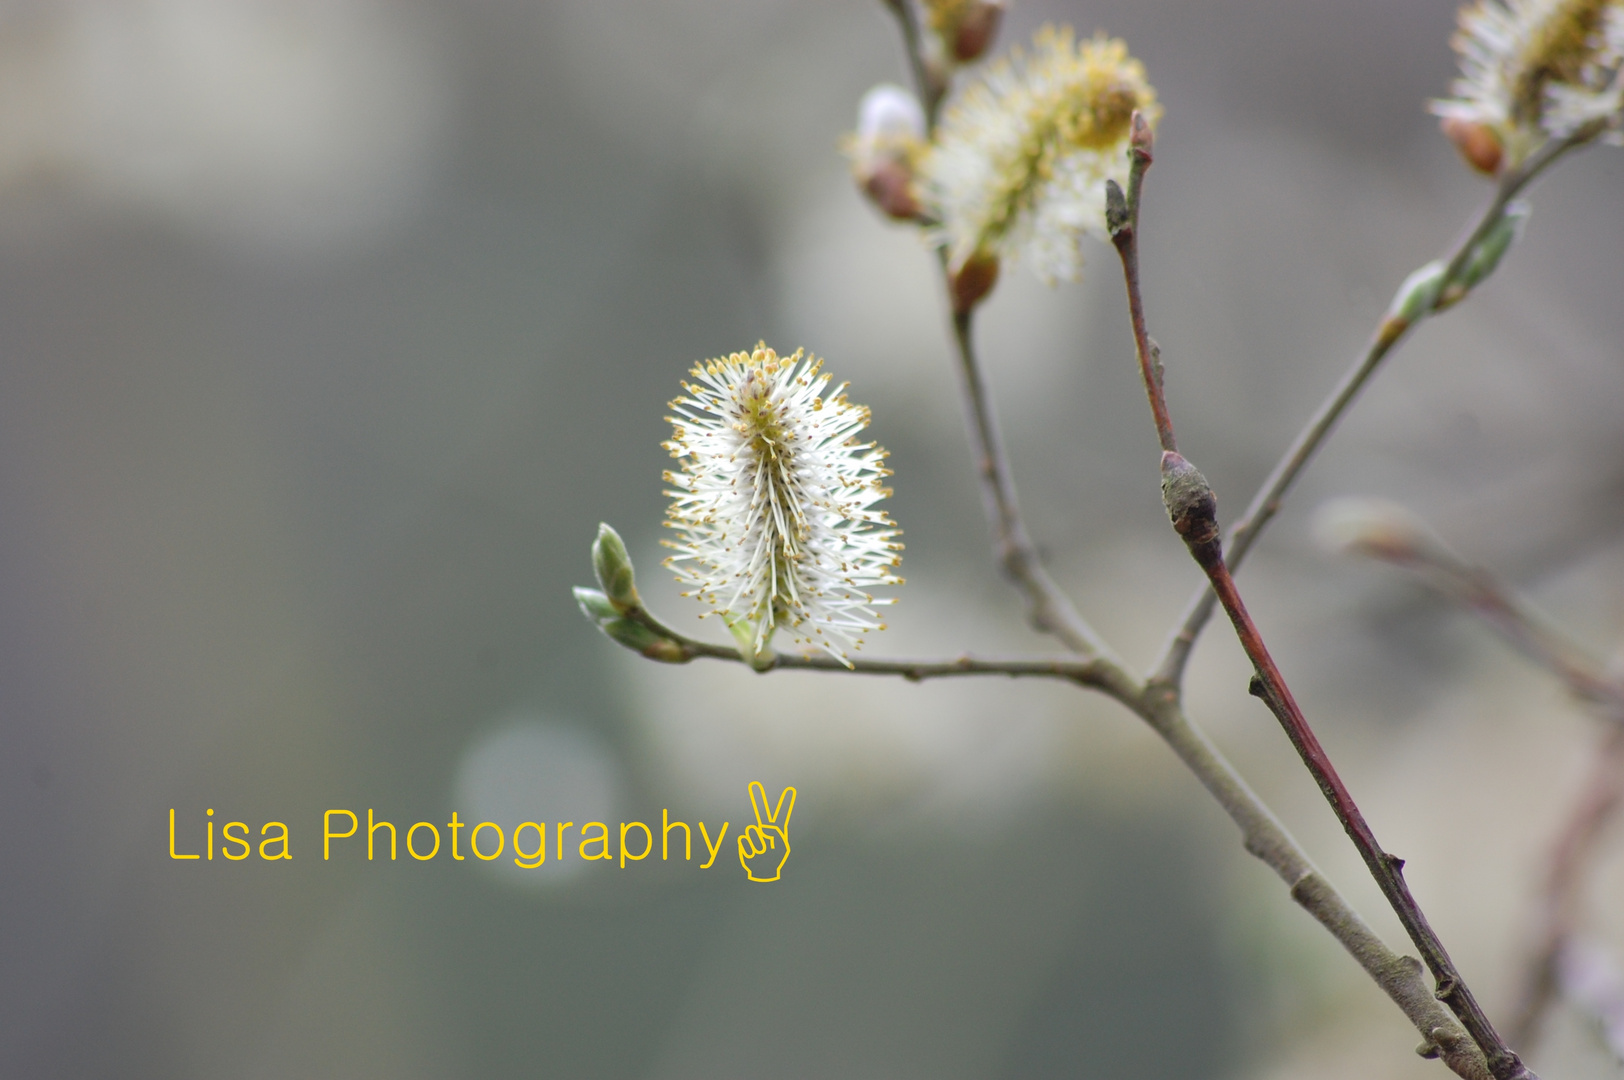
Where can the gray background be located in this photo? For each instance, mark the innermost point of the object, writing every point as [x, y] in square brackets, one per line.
[330, 330]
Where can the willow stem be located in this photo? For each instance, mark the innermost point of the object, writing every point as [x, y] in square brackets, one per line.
[1048, 607]
[1090, 673]
[1193, 510]
[1385, 868]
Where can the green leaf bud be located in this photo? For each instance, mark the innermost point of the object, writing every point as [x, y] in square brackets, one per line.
[614, 569]
[1486, 252]
[1418, 296]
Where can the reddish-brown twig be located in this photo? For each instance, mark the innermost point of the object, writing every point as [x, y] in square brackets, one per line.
[1193, 510]
[929, 83]
[1122, 218]
[1397, 975]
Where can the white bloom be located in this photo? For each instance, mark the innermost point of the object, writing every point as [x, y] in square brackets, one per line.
[962, 29]
[773, 502]
[890, 118]
[1537, 69]
[890, 136]
[1022, 154]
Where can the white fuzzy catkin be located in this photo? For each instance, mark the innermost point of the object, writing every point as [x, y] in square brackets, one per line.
[774, 502]
[1021, 156]
[1537, 69]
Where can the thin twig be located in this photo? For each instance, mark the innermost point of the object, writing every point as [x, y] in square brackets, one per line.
[930, 87]
[1122, 217]
[1399, 976]
[1169, 667]
[1415, 547]
[1193, 510]
[1048, 607]
[1263, 835]
[1480, 592]
[1090, 673]
[1270, 685]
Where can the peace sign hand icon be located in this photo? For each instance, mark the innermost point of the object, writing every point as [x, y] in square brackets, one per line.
[764, 846]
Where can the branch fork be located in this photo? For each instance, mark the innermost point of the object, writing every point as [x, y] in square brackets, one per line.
[1460, 1035]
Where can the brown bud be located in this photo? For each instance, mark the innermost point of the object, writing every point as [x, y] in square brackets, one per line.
[889, 185]
[890, 135]
[1478, 143]
[977, 29]
[972, 281]
[1191, 505]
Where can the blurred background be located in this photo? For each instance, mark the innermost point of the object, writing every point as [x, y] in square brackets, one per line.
[329, 331]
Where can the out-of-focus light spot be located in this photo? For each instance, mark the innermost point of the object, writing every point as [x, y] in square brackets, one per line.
[276, 125]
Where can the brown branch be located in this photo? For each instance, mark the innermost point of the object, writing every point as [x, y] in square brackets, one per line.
[1169, 668]
[1048, 607]
[1416, 548]
[1399, 976]
[677, 648]
[929, 85]
[1196, 522]
[1122, 218]
[1407, 542]
[1193, 510]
